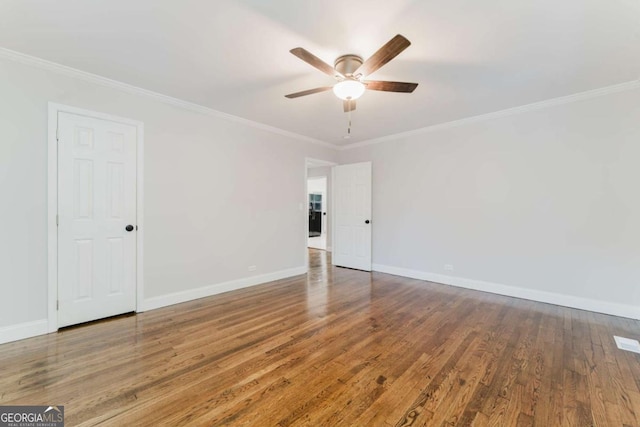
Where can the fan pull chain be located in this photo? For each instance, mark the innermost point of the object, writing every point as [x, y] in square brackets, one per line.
[349, 118]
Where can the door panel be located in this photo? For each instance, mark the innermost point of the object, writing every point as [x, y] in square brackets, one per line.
[115, 270]
[96, 200]
[84, 267]
[352, 210]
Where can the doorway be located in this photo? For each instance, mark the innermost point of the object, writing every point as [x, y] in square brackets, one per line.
[317, 206]
[316, 169]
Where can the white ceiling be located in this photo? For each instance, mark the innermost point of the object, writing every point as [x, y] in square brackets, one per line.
[469, 57]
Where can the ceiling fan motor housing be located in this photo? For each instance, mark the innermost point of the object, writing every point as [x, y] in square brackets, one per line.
[348, 64]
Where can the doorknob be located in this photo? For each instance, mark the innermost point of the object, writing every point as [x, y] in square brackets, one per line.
[129, 228]
[366, 221]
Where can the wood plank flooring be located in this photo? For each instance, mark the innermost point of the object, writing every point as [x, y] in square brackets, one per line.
[336, 348]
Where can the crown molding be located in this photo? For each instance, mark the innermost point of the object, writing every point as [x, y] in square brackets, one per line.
[135, 90]
[607, 90]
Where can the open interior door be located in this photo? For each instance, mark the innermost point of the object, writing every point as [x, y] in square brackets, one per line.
[352, 216]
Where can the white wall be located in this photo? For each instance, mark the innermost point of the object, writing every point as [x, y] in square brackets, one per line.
[219, 195]
[543, 204]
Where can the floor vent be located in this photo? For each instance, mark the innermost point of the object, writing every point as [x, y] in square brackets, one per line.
[627, 344]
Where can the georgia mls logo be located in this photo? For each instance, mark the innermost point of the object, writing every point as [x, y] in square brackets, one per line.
[54, 408]
[31, 416]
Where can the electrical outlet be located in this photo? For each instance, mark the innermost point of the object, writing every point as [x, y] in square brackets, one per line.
[448, 267]
[252, 268]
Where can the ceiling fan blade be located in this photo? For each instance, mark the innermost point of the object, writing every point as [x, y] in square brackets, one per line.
[390, 86]
[309, 92]
[349, 105]
[385, 54]
[316, 62]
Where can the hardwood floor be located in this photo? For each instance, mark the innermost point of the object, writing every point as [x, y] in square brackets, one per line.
[336, 348]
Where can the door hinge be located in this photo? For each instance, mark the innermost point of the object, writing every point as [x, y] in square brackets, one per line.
[57, 304]
[58, 134]
[57, 220]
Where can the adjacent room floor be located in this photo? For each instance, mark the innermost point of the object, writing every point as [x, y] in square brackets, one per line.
[318, 242]
[336, 347]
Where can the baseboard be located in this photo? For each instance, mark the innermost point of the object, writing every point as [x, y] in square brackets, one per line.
[218, 288]
[23, 330]
[41, 327]
[597, 306]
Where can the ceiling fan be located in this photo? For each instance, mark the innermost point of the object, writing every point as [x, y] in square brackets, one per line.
[351, 71]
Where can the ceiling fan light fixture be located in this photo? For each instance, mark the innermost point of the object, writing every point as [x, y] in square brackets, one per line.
[349, 89]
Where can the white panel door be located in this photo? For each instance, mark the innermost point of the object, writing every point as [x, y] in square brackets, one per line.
[96, 203]
[352, 216]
